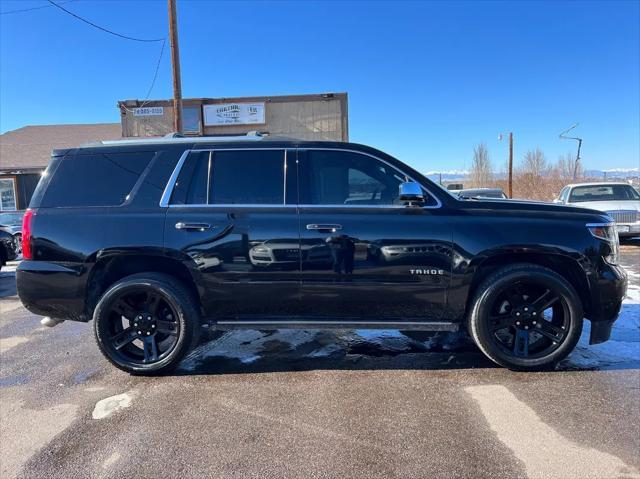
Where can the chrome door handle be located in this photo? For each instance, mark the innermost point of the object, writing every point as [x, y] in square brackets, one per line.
[324, 227]
[192, 226]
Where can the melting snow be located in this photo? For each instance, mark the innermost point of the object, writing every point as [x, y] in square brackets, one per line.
[106, 407]
[623, 349]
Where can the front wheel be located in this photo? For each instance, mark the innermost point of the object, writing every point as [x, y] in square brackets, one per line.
[146, 323]
[526, 317]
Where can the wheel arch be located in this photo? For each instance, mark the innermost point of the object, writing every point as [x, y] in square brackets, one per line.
[567, 267]
[109, 268]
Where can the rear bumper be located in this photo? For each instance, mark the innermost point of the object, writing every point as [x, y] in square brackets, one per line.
[52, 289]
[608, 288]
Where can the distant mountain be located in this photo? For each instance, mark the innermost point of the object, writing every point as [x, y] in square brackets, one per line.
[613, 173]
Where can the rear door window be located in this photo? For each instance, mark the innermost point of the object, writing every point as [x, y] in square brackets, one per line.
[231, 177]
[95, 179]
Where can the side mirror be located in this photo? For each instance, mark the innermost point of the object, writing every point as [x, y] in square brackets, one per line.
[411, 192]
[557, 200]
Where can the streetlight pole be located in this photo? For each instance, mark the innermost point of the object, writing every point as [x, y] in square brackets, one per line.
[563, 136]
[175, 63]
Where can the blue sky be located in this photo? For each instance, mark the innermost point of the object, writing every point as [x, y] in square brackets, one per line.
[426, 80]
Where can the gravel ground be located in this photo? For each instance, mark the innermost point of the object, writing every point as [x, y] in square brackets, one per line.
[307, 404]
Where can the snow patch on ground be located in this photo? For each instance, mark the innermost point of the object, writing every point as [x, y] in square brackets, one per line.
[106, 407]
[623, 349]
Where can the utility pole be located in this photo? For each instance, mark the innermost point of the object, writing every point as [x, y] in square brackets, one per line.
[175, 63]
[511, 165]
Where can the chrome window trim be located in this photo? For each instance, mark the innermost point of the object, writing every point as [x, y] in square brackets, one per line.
[168, 190]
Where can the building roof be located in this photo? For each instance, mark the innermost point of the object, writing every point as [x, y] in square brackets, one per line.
[30, 147]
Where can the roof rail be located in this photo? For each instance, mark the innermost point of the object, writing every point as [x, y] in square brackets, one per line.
[173, 138]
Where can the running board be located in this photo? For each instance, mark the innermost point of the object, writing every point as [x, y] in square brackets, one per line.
[349, 324]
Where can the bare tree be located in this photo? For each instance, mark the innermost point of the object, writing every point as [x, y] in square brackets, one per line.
[535, 163]
[481, 172]
[566, 166]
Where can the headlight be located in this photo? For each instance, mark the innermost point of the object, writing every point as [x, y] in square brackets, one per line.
[260, 249]
[607, 232]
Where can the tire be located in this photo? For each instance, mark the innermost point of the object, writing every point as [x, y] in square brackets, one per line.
[140, 315]
[512, 303]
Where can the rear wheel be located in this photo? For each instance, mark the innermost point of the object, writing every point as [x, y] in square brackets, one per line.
[146, 323]
[526, 317]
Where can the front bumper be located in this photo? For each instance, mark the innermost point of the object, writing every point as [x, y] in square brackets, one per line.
[628, 229]
[608, 289]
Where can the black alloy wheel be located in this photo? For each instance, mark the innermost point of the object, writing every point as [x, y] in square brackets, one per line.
[529, 320]
[146, 323]
[526, 317]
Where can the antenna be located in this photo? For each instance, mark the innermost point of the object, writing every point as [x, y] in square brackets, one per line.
[563, 136]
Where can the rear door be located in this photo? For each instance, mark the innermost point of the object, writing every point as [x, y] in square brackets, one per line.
[364, 253]
[228, 218]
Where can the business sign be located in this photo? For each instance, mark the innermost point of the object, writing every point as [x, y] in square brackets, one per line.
[234, 114]
[149, 111]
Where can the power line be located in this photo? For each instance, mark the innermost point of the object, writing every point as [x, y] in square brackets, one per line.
[21, 10]
[155, 75]
[105, 29]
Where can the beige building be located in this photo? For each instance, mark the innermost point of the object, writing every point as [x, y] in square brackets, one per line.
[308, 117]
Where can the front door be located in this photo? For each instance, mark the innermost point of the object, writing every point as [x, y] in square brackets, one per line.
[228, 218]
[364, 253]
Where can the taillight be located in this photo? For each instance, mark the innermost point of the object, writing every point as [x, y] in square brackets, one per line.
[26, 234]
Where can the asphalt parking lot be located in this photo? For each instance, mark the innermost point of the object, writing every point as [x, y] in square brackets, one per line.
[316, 404]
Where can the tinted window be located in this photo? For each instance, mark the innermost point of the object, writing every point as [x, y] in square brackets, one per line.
[345, 178]
[94, 179]
[603, 193]
[231, 177]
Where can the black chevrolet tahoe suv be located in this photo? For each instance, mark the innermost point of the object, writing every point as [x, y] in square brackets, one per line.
[156, 239]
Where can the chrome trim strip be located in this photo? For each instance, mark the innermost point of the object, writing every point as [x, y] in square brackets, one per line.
[292, 205]
[284, 196]
[209, 176]
[595, 225]
[344, 324]
[168, 189]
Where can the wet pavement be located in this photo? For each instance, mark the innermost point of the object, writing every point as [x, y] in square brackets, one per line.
[298, 403]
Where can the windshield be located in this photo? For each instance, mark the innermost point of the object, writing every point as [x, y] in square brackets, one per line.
[10, 218]
[603, 193]
[453, 194]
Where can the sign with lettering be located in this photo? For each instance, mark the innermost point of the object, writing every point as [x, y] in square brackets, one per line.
[149, 111]
[234, 114]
